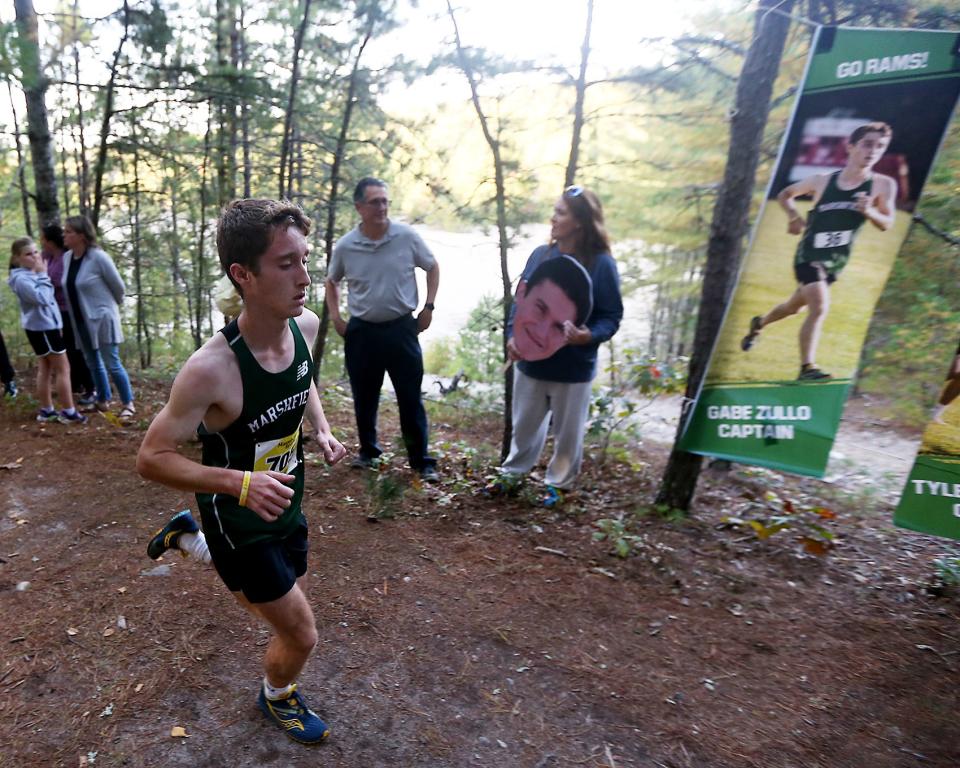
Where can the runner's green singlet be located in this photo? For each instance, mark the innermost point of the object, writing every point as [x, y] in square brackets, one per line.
[266, 435]
[832, 226]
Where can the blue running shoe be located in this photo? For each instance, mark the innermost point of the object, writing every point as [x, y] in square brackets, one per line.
[10, 389]
[552, 497]
[291, 713]
[167, 537]
[47, 415]
[73, 418]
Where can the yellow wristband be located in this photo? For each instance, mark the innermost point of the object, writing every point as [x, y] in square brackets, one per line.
[246, 487]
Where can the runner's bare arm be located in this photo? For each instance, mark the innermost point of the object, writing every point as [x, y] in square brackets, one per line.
[812, 185]
[879, 208]
[198, 388]
[332, 449]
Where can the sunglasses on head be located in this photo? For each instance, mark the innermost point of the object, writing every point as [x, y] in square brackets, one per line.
[573, 191]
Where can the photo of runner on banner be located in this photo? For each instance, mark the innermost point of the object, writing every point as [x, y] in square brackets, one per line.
[852, 166]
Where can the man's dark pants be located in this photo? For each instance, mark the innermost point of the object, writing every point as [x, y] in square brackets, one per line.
[372, 349]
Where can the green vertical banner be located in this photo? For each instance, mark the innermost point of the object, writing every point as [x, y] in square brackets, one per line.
[930, 502]
[872, 112]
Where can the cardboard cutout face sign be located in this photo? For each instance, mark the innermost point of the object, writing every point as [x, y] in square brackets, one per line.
[558, 291]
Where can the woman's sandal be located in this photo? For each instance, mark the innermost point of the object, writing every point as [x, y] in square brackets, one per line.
[128, 412]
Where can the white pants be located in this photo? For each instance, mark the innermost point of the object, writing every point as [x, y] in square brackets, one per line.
[534, 401]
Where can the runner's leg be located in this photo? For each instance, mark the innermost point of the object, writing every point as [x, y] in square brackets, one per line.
[817, 298]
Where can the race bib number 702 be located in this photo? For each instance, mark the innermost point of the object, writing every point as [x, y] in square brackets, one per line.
[277, 455]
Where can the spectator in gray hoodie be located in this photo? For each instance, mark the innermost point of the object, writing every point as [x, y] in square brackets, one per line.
[40, 318]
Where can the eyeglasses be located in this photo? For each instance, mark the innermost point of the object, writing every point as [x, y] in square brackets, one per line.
[377, 202]
[573, 191]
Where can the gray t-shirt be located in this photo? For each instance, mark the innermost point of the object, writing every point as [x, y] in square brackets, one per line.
[381, 284]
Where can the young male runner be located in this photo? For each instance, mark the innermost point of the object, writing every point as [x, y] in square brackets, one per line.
[249, 388]
[842, 202]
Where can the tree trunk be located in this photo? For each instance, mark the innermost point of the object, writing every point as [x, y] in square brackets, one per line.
[729, 224]
[21, 164]
[574, 160]
[200, 274]
[285, 147]
[83, 167]
[133, 204]
[61, 132]
[38, 127]
[320, 345]
[494, 143]
[108, 111]
[226, 156]
[244, 106]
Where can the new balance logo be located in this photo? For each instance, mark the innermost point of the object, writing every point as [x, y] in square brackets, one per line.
[303, 369]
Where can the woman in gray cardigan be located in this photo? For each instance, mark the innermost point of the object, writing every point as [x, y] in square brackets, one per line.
[94, 291]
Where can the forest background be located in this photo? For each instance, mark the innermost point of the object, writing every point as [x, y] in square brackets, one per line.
[159, 113]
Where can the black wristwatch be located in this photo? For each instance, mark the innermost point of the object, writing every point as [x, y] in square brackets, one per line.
[428, 305]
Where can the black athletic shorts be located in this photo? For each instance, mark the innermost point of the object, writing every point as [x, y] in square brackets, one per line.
[264, 570]
[47, 342]
[808, 272]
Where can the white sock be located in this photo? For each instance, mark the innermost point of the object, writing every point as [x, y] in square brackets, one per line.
[69, 411]
[277, 693]
[195, 545]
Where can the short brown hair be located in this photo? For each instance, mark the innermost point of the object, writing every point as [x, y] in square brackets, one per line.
[882, 128]
[82, 226]
[246, 228]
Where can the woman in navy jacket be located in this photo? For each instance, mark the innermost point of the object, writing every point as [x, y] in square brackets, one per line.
[560, 386]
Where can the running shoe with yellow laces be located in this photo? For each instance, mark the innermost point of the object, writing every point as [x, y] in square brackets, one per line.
[293, 715]
[168, 536]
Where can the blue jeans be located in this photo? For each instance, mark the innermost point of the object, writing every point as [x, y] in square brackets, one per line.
[107, 358]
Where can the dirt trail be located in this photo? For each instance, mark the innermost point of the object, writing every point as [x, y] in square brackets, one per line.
[467, 631]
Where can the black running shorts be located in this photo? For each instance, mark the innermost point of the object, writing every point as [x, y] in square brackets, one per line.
[808, 272]
[262, 571]
[47, 342]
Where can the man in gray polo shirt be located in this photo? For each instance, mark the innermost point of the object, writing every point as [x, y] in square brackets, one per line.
[378, 259]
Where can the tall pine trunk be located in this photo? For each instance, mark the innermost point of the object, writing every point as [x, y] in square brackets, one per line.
[320, 345]
[501, 200]
[574, 159]
[108, 112]
[38, 127]
[729, 223]
[286, 144]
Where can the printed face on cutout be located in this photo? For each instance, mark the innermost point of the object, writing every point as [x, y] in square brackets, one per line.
[538, 322]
